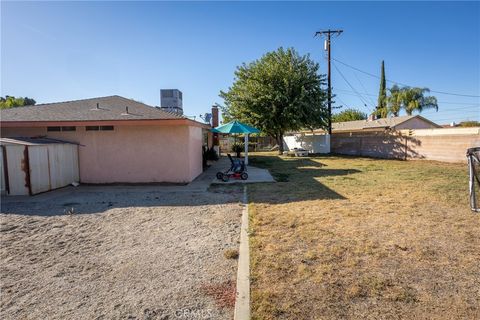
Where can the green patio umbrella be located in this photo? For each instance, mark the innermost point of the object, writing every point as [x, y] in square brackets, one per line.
[237, 127]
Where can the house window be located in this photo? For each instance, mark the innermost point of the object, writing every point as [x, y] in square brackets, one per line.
[61, 129]
[99, 128]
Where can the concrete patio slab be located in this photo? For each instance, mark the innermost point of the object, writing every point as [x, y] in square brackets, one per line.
[255, 175]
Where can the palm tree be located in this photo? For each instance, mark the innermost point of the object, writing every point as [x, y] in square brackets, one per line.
[395, 100]
[414, 99]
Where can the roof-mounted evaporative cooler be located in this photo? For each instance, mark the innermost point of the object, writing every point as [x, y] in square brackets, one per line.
[171, 100]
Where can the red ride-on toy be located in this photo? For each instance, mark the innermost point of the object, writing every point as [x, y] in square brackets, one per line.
[238, 170]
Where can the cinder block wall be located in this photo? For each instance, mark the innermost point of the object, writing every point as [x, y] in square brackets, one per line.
[430, 144]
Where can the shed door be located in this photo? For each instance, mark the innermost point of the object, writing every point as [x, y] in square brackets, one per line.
[39, 168]
[17, 165]
[63, 164]
[3, 188]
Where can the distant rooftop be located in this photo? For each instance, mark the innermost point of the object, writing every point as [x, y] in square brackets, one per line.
[390, 122]
[94, 109]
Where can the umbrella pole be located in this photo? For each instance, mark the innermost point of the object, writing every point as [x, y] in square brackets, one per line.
[246, 149]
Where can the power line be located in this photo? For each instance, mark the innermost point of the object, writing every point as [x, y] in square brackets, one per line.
[462, 110]
[341, 101]
[364, 89]
[403, 84]
[350, 85]
[443, 102]
[453, 119]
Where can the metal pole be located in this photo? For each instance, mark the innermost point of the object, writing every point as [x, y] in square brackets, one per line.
[246, 149]
[328, 33]
[329, 86]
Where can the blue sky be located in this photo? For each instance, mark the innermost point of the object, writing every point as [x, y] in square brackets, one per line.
[56, 51]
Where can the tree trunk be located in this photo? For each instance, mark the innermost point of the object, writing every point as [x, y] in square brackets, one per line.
[280, 143]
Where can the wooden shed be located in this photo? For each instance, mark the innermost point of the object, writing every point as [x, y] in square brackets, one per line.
[34, 165]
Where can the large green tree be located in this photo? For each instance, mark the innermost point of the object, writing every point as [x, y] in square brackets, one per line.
[277, 93]
[349, 114]
[12, 102]
[382, 110]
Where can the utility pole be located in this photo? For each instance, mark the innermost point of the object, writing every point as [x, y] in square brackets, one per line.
[328, 33]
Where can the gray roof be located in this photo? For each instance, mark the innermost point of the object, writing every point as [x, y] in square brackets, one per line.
[109, 108]
[374, 124]
[32, 141]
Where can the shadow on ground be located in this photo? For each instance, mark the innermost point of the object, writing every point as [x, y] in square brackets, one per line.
[96, 199]
[298, 180]
[83, 200]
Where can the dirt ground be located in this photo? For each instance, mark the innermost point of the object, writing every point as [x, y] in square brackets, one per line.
[359, 238]
[120, 255]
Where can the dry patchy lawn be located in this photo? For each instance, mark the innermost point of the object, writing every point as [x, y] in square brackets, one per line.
[358, 238]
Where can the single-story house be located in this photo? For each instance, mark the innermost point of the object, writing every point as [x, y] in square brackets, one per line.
[119, 140]
[382, 124]
[317, 141]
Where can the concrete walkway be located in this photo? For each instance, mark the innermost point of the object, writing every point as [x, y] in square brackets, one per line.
[199, 185]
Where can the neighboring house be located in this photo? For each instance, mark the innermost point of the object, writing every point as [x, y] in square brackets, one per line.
[120, 140]
[391, 123]
[406, 138]
[317, 141]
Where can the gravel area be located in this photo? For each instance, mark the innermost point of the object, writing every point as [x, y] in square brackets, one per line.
[123, 254]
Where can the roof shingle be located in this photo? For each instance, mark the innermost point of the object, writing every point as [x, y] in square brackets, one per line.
[390, 122]
[109, 108]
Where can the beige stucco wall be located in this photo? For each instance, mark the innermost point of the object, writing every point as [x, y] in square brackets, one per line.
[195, 143]
[448, 145]
[132, 154]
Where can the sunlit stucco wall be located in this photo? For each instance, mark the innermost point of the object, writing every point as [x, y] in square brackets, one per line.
[132, 154]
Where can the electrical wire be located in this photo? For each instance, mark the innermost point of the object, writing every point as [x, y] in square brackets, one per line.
[364, 89]
[442, 102]
[350, 85]
[403, 84]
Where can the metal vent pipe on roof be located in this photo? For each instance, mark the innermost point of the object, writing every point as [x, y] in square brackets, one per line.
[126, 112]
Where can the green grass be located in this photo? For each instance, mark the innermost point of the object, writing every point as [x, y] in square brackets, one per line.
[351, 238]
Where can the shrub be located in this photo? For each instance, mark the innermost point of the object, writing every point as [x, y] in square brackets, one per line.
[210, 154]
[238, 148]
[231, 253]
